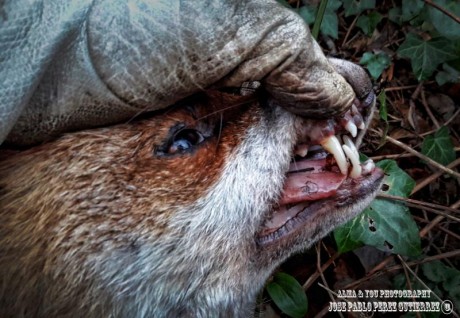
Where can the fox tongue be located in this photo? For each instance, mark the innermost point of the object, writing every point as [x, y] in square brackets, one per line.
[306, 181]
[310, 180]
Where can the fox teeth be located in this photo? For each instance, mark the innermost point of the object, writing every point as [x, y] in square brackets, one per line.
[347, 141]
[301, 150]
[356, 169]
[354, 109]
[332, 145]
[352, 153]
[351, 128]
[368, 166]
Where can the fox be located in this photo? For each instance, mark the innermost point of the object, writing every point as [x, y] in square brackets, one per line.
[182, 212]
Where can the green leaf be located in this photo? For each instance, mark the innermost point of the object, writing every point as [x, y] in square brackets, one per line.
[386, 225]
[355, 7]
[288, 295]
[439, 146]
[369, 22]
[425, 56]
[445, 25]
[375, 63]
[447, 75]
[434, 271]
[329, 24]
[308, 14]
[400, 183]
[284, 3]
[395, 15]
[411, 8]
[437, 272]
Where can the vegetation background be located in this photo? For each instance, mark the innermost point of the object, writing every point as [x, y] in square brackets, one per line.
[409, 237]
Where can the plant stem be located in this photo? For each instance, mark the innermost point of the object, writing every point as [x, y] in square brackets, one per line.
[319, 18]
[448, 13]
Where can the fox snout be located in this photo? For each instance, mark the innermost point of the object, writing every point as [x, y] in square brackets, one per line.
[185, 212]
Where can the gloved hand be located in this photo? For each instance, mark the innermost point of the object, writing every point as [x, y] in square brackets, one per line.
[75, 64]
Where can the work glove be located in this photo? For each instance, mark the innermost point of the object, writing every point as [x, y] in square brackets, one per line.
[77, 64]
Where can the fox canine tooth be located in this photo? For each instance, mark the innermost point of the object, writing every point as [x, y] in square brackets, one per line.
[332, 145]
[351, 127]
[347, 141]
[354, 158]
[352, 154]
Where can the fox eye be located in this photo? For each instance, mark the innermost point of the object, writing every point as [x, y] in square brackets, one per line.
[184, 140]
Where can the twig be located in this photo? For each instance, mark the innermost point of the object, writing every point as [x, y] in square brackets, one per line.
[405, 155]
[445, 124]
[442, 229]
[409, 283]
[436, 220]
[450, 233]
[318, 266]
[417, 91]
[316, 274]
[428, 110]
[448, 13]
[423, 157]
[434, 176]
[399, 88]
[322, 313]
[380, 266]
[358, 282]
[420, 204]
[352, 25]
[423, 205]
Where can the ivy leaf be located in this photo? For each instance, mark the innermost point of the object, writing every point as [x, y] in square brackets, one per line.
[411, 8]
[355, 7]
[333, 5]
[369, 22]
[425, 56]
[375, 63]
[439, 146]
[446, 26]
[288, 295]
[447, 75]
[437, 272]
[399, 183]
[385, 224]
[284, 3]
[308, 14]
[329, 25]
[395, 15]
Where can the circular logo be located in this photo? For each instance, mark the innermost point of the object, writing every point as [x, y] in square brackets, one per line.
[447, 307]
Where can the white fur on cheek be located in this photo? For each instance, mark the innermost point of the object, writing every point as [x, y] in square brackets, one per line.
[221, 234]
